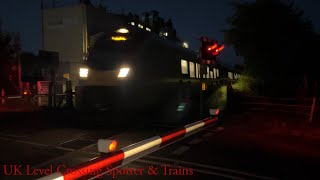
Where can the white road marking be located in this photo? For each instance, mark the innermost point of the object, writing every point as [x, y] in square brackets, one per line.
[65, 149]
[31, 143]
[24, 142]
[14, 136]
[70, 140]
[52, 160]
[43, 145]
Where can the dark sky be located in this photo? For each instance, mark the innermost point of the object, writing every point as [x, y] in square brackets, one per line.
[192, 18]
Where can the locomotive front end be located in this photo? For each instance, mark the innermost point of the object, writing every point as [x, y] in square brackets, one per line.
[107, 77]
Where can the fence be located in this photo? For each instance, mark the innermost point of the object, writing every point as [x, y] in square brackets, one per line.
[307, 107]
[28, 103]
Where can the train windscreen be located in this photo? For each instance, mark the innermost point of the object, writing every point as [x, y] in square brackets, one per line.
[108, 54]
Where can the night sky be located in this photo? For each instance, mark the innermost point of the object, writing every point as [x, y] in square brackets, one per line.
[191, 18]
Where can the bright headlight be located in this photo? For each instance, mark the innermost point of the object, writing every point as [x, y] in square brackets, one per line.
[83, 72]
[123, 72]
[122, 31]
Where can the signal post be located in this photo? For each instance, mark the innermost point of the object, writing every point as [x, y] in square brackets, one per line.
[208, 53]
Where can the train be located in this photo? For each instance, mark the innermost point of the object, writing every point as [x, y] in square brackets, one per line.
[130, 70]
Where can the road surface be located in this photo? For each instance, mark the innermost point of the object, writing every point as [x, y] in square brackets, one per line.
[235, 150]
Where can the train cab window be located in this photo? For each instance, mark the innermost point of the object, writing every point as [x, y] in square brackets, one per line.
[184, 66]
[198, 70]
[211, 74]
[191, 70]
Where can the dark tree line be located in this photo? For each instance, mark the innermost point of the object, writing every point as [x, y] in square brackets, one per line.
[279, 46]
[9, 52]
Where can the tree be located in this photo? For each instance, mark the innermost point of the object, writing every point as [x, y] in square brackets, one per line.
[9, 46]
[276, 42]
[169, 24]
[238, 67]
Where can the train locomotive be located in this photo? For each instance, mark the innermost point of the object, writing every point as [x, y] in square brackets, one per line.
[130, 70]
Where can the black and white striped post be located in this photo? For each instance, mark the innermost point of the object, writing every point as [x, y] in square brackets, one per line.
[130, 153]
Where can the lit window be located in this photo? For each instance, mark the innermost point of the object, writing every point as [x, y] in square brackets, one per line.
[208, 72]
[83, 72]
[148, 29]
[132, 23]
[218, 73]
[184, 66]
[215, 73]
[191, 69]
[198, 70]
[166, 34]
[140, 26]
[211, 74]
[185, 45]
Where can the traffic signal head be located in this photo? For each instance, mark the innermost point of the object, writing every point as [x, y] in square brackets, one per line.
[210, 49]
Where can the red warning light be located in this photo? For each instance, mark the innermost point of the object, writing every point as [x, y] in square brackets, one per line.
[212, 47]
[221, 47]
[209, 49]
[107, 145]
[113, 146]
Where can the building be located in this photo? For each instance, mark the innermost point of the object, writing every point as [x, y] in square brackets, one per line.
[69, 31]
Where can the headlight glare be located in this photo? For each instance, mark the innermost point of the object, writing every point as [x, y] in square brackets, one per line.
[123, 72]
[83, 72]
